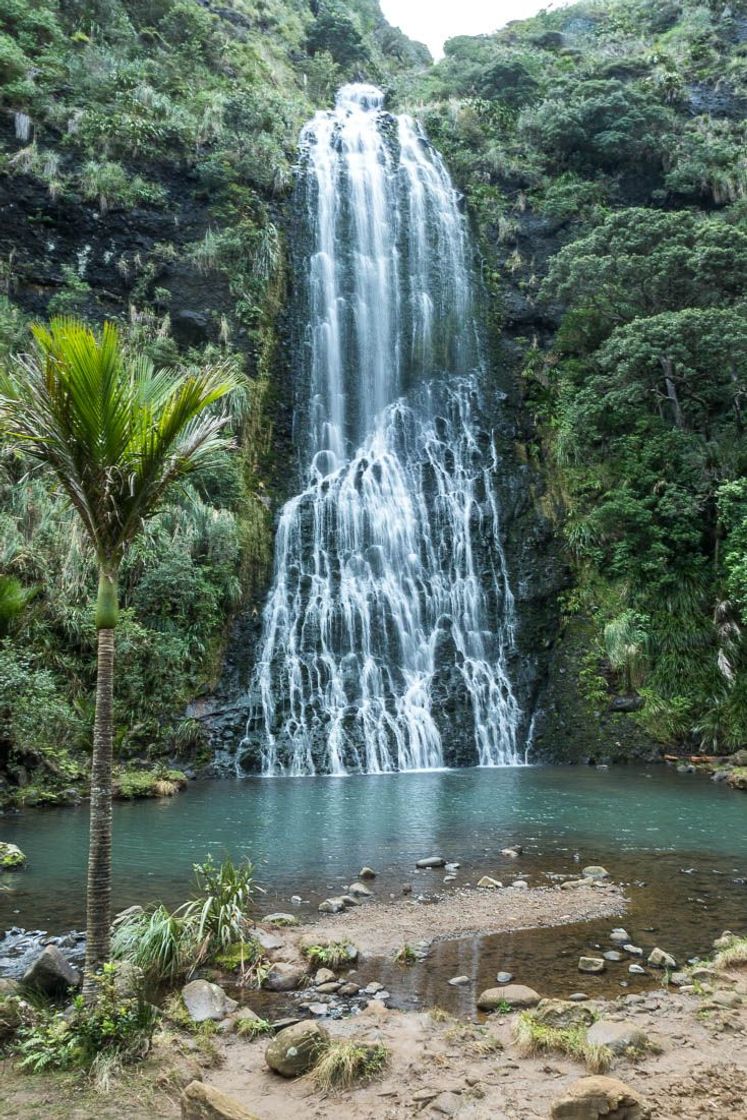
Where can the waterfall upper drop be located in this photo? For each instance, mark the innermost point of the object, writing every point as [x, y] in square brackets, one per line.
[390, 621]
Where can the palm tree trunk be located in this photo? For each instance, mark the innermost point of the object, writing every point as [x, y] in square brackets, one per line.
[99, 886]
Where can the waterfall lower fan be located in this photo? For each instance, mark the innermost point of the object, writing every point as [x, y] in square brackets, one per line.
[390, 622]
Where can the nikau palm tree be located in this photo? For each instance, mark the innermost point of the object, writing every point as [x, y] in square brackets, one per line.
[116, 433]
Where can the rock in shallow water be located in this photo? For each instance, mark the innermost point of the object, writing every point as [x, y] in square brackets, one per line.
[488, 884]
[660, 959]
[11, 857]
[284, 976]
[431, 861]
[595, 871]
[504, 977]
[515, 995]
[591, 964]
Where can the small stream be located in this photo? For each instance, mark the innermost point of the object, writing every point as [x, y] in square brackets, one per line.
[678, 842]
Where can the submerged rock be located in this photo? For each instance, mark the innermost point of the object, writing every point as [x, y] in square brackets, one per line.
[204, 1102]
[659, 959]
[591, 964]
[332, 905]
[431, 861]
[294, 1050]
[591, 1098]
[515, 995]
[366, 873]
[359, 889]
[204, 1001]
[51, 973]
[620, 935]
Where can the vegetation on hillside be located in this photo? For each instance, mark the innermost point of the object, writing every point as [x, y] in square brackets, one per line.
[601, 149]
[146, 152]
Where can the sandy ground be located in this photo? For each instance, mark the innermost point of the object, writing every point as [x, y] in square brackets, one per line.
[380, 928]
[437, 1070]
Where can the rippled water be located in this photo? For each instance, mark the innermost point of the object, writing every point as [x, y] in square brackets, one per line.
[682, 836]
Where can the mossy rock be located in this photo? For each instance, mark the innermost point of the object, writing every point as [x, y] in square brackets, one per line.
[738, 778]
[11, 857]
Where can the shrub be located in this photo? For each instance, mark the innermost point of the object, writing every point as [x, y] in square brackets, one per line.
[254, 1028]
[332, 955]
[109, 1022]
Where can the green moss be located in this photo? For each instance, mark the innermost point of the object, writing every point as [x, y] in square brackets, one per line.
[133, 784]
[11, 857]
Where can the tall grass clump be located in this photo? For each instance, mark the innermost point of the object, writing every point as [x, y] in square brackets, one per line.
[343, 1063]
[533, 1037]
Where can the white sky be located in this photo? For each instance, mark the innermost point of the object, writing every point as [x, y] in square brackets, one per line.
[433, 21]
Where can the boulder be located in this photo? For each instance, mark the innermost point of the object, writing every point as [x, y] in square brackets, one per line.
[431, 861]
[284, 976]
[204, 1001]
[204, 1102]
[591, 964]
[515, 995]
[563, 1013]
[332, 906]
[594, 1098]
[360, 890]
[617, 1037]
[594, 871]
[51, 974]
[294, 1050]
[489, 884]
[366, 873]
[11, 857]
[659, 959]
[280, 919]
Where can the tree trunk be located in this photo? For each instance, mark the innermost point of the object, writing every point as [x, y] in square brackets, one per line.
[99, 886]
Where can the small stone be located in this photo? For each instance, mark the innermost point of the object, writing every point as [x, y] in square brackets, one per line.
[504, 977]
[488, 884]
[330, 987]
[359, 889]
[578, 997]
[372, 988]
[613, 955]
[281, 919]
[318, 1009]
[634, 950]
[451, 867]
[294, 1050]
[595, 871]
[617, 1037]
[659, 959]
[350, 900]
[382, 995]
[366, 873]
[563, 1013]
[637, 970]
[268, 941]
[349, 989]
[332, 906]
[204, 1102]
[572, 884]
[407, 888]
[591, 964]
[520, 884]
[431, 861]
[324, 976]
[204, 1001]
[516, 995]
[511, 853]
[591, 1098]
[620, 935]
[449, 878]
[296, 899]
[457, 981]
[724, 998]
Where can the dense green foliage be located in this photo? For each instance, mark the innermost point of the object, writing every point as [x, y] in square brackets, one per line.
[151, 143]
[601, 150]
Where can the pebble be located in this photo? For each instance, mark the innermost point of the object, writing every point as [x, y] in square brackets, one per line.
[318, 1009]
[633, 950]
[578, 997]
[431, 861]
[620, 934]
[457, 981]
[613, 955]
[595, 871]
[660, 959]
[488, 884]
[591, 964]
[512, 853]
[520, 884]
[637, 970]
[372, 988]
[504, 977]
[449, 878]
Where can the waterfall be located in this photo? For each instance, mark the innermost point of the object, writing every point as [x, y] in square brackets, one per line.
[390, 620]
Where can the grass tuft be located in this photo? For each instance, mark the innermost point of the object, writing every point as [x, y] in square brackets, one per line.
[533, 1037]
[405, 955]
[343, 1063]
[254, 1028]
[734, 955]
[332, 955]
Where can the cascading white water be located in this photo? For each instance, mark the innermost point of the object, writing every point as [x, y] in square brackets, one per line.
[390, 618]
